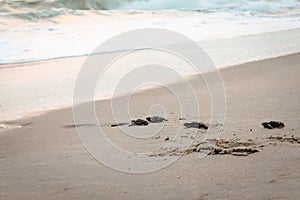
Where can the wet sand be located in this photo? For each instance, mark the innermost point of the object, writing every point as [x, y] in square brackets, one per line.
[44, 158]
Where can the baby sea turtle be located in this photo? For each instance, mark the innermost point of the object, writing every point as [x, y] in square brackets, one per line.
[198, 125]
[155, 119]
[138, 122]
[272, 124]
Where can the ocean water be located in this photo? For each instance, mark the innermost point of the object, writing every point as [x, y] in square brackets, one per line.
[34, 30]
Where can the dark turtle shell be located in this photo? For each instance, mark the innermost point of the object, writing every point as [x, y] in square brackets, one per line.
[139, 122]
[155, 119]
[198, 125]
[272, 125]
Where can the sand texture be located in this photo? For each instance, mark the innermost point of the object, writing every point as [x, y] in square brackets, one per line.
[44, 159]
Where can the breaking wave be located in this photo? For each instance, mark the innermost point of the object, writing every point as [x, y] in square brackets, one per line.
[43, 29]
[50, 8]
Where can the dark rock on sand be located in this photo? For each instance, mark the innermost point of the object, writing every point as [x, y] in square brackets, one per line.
[198, 125]
[272, 125]
[155, 119]
[138, 122]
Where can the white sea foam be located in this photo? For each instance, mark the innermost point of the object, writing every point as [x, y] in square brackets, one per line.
[36, 30]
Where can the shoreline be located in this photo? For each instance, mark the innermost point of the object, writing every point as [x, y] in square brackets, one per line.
[200, 42]
[36, 113]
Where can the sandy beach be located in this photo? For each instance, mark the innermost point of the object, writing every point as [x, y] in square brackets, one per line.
[44, 158]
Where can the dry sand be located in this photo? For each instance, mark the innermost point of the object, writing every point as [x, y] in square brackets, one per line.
[44, 158]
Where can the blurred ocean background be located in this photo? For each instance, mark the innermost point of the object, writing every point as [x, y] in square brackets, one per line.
[231, 31]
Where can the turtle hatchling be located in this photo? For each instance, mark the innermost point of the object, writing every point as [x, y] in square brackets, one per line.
[198, 125]
[138, 122]
[155, 119]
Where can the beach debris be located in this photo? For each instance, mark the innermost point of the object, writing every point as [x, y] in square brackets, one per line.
[236, 151]
[194, 124]
[292, 139]
[273, 124]
[156, 119]
[232, 147]
[173, 151]
[167, 138]
[138, 122]
[182, 118]
[118, 124]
